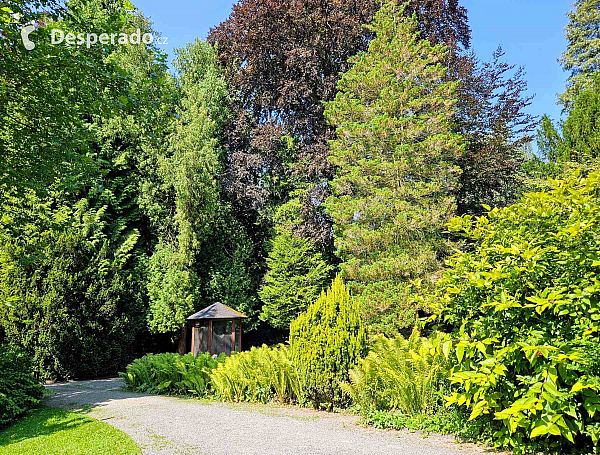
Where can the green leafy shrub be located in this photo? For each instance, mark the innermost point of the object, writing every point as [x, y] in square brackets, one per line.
[19, 389]
[400, 374]
[171, 374]
[260, 375]
[80, 311]
[525, 309]
[326, 342]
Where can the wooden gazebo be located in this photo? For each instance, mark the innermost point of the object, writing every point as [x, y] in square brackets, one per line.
[216, 329]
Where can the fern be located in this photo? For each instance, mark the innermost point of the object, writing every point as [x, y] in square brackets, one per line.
[399, 374]
[260, 375]
[171, 374]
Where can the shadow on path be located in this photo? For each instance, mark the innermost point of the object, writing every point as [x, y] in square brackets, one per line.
[88, 394]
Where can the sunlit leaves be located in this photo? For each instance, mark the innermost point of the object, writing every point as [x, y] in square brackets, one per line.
[525, 307]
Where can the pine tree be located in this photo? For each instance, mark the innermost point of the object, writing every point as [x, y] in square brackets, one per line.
[582, 57]
[393, 189]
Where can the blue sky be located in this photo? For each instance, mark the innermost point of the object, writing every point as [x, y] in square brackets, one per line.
[531, 32]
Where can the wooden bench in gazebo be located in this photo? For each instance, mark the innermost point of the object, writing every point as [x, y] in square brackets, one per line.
[216, 329]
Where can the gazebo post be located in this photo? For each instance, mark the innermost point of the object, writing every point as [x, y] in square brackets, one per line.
[210, 330]
[193, 339]
[233, 335]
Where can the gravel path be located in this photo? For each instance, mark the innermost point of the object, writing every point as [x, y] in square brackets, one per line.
[169, 426]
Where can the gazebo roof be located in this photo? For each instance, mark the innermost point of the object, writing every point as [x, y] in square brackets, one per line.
[217, 311]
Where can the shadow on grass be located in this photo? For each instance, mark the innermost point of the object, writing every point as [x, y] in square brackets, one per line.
[43, 421]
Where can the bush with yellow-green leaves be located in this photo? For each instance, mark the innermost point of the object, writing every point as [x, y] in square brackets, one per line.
[525, 308]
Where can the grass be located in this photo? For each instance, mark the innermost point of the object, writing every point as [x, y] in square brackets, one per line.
[53, 431]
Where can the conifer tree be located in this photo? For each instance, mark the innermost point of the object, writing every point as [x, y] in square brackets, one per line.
[297, 274]
[394, 184]
[326, 341]
[582, 57]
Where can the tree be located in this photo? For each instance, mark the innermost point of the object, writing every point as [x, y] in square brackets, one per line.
[491, 118]
[582, 57]
[297, 275]
[575, 141]
[80, 310]
[45, 109]
[282, 59]
[188, 173]
[394, 184]
[203, 254]
[75, 254]
[327, 341]
[581, 129]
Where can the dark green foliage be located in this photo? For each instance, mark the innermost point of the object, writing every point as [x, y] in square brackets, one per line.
[172, 374]
[76, 257]
[581, 129]
[297, 274]
[326, 342]
[524, 309]
[20, 391]
[578, 141]
[80, 309]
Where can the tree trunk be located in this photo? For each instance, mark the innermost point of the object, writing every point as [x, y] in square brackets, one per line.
[182, 344]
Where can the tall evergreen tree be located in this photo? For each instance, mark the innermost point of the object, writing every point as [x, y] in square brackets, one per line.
[297, 271]
[579, 143]
[393, 189]
[582, 57]
[202, 254]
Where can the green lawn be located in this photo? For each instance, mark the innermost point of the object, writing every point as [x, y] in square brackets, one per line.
[53, 431]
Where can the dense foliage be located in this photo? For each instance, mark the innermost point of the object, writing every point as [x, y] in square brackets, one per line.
[262, 375]
[400, 374]
[577, 140]
[582, 57]
[491, 117]
[524, 308]
[171, 374]
[326, 341]
[75, 254]
[394, 180]
[297, 275]
[305, 138]
[20, 391]
[44, 134]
